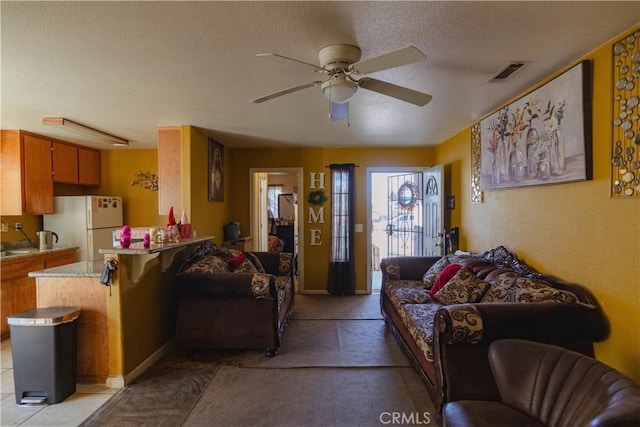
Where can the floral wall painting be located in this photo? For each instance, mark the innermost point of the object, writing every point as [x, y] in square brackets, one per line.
[216, 174]
[542, 138]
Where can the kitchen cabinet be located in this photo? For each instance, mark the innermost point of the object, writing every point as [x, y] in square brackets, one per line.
[17, 290]
[29, 166]
[89, 172]
[75, 165]
[65, 163]
[25, 170]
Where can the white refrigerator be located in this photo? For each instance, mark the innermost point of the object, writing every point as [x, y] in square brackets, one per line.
[85, 221]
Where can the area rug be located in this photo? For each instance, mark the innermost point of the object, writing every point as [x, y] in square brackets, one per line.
[354, 307]
[165, 393]
[332, 343]
[334, 368]
[313, 397]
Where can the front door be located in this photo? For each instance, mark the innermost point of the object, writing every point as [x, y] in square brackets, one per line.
[405, 215]
[434, 213]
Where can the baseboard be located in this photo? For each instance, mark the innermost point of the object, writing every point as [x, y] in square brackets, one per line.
[121, 381]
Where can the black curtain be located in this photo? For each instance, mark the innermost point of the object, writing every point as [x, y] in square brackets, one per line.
[341, 280]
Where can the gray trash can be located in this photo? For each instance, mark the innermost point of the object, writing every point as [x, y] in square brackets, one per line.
[43, 348]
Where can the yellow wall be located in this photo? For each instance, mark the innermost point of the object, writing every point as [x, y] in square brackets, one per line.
[30, 224]
[140, 206]
[316, 258]
[207, 218]
[574, 231]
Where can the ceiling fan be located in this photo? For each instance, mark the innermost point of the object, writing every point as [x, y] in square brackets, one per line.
[346, 74]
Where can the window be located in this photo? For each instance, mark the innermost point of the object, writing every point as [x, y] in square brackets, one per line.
[273, 191]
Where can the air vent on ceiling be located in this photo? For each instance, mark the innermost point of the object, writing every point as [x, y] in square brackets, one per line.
[507, 71]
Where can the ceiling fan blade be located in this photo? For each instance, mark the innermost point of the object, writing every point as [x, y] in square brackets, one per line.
[285, 92]
[404, 56]
[395, 91]
[315, 67]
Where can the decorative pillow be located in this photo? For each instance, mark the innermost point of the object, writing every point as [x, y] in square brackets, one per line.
[464, 287]
[275, 244]
[246, 266]
[429, 277]
[285, 263]
[445, 275]
[511, 288]
[392, 271]
[236, 261]
[255, 261]
[208, 264]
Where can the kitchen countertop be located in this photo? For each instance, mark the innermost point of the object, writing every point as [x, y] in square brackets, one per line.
[33, 252]
[95, 268]
[139, 249]
[77, 269]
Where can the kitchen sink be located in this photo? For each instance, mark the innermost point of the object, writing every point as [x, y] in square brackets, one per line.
[24, 251]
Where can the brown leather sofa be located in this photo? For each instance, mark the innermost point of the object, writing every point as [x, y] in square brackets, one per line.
[219, 307]
[448, 344]
[544, 385]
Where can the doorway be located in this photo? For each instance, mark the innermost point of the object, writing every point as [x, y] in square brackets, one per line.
[405, 216]
[276, 211]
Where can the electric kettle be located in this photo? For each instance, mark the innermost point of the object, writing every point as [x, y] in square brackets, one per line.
[46, 239]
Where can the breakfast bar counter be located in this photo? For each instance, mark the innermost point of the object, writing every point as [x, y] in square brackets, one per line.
[127, 324]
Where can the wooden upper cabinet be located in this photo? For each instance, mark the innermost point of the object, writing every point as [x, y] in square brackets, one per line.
[89, 172]
[38, 185]
[27, 186]
[29, 165]
[65, 163]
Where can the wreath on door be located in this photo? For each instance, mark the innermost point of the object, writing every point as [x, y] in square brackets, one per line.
[408, 196]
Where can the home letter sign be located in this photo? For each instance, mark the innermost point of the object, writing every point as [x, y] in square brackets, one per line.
[315, 217]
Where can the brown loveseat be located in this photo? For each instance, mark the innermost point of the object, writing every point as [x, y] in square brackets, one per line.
[544, 385]
[493, 296]
[227, 299]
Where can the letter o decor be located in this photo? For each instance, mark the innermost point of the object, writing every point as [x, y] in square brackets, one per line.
[408, 195]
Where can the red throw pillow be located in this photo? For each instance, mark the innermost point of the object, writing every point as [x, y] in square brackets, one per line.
[236, 261]
[445, 275]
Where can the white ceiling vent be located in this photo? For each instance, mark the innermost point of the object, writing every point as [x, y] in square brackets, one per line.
[508, 71]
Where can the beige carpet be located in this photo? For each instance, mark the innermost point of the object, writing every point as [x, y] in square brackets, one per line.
[332, 343]
[338, 366]
[355, 307]
[321, 397]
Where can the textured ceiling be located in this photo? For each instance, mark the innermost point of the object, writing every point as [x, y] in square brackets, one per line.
[131, 67]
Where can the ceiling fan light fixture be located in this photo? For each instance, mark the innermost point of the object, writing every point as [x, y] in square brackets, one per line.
[339, 89]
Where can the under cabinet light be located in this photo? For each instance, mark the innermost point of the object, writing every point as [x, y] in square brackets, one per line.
[85, 130]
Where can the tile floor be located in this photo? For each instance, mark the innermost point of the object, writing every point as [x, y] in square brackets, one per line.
[71, 412]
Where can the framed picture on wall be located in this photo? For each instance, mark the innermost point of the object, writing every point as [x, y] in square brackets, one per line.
[216, 172]
[542, 138]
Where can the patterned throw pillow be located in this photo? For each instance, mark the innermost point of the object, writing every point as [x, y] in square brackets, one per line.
[510, 288]
[255, 261]
[236, 261]
[246, 267]
[443, 278]
[392, 271]
[208, 264]
[429, 277]
[464, 287]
